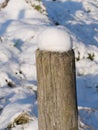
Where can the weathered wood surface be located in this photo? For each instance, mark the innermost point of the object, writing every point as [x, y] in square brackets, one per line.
[57, 106]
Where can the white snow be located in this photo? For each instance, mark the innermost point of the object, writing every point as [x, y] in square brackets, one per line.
[1, 1]
[22, 30]
[54, 39]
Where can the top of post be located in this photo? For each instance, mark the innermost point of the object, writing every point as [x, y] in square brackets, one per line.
[55, 39]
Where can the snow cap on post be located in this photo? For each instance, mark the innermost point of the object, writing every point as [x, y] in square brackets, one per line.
[55, 39]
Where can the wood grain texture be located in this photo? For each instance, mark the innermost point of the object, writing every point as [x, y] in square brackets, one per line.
[57, 106]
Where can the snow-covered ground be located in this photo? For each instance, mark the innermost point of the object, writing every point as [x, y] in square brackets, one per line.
[21, 22]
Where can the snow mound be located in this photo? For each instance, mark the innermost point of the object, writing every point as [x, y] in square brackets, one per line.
[54, 39]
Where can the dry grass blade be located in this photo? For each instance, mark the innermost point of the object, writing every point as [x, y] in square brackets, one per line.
[21, 119]
[4, 4]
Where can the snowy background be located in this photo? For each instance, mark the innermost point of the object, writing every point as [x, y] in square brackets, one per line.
[21, 22]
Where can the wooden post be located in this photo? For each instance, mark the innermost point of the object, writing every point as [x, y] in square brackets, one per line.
[57, 106]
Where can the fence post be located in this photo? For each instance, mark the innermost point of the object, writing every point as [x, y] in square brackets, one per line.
[57, 107]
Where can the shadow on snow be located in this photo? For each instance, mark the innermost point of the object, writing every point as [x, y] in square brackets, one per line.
[65, 13]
